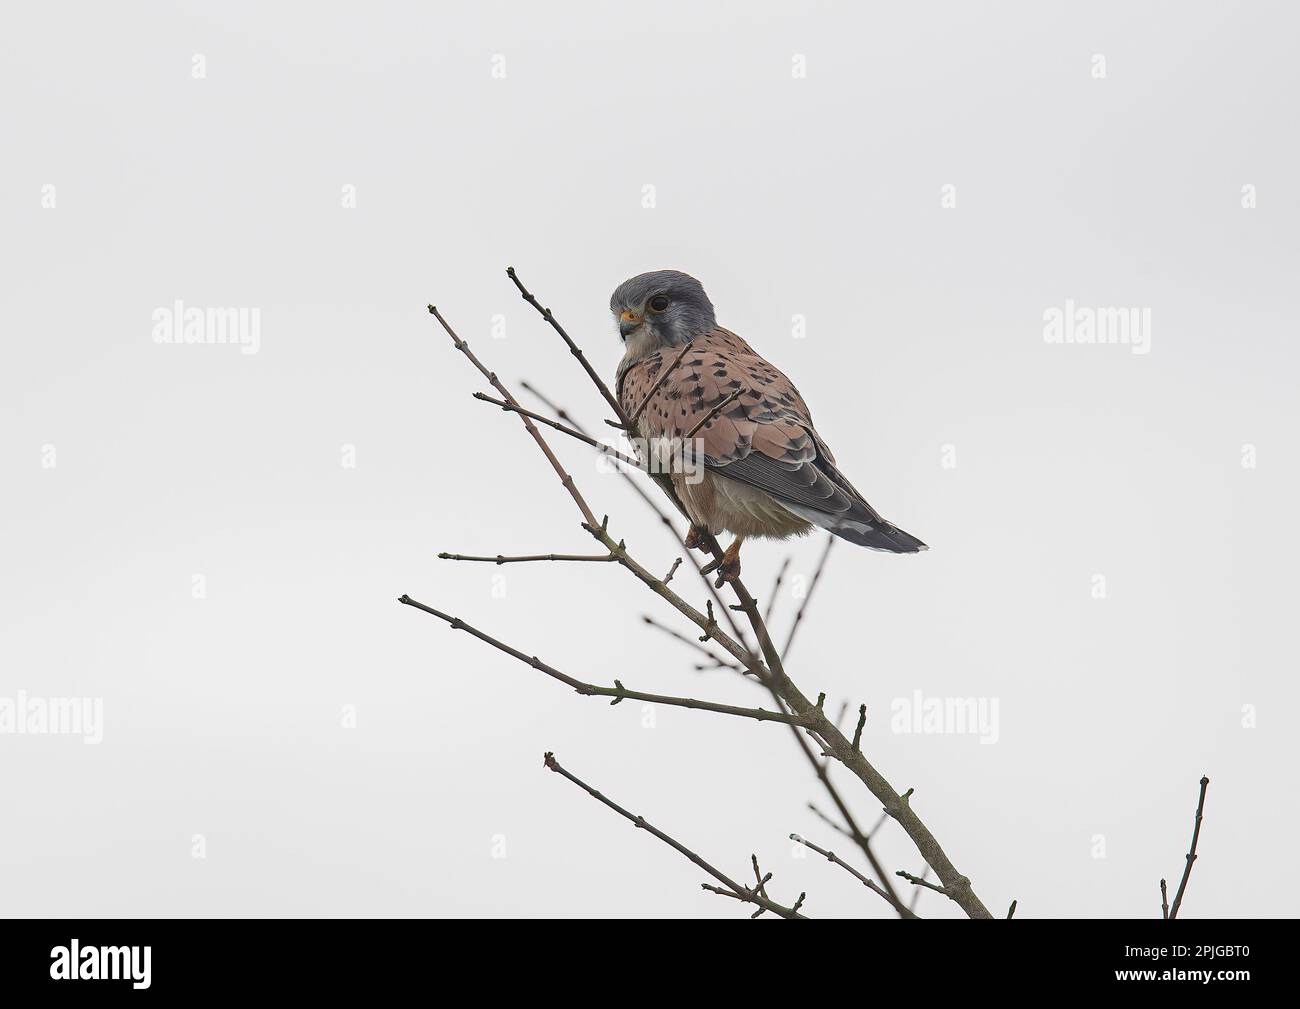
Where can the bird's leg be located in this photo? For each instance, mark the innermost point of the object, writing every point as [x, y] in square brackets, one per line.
[729, 567]
[697, 537]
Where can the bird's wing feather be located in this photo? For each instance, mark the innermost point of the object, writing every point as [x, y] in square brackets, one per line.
[765, 438]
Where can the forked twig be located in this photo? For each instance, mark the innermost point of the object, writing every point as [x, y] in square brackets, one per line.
[618, 692]
[868, 882]
[565, 479]
[571, 432]
[574, 349]
[664, 519]
[756, 894]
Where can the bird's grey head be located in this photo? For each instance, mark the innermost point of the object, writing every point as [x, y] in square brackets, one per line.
[665, 308]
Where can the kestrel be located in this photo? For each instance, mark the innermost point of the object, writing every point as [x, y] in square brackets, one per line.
[766, 470]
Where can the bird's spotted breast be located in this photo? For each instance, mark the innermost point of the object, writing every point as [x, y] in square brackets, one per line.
[768, 415]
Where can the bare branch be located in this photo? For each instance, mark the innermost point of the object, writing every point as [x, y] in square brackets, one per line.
[691, 642]
[921, 881]
[565, 479]
[707, 623]
[776, 589]
[850, 824]
[499, 559]
[916, 891]
[828, 821]
[664, 375]
[1191, 854]
[739, 651]
[755, 895]
[958, 886]
[574, 349]
[857, 733]
[571, 432]
[664, 519]
[866, 881]
[711, 414]
[618, 692]
[803, 604]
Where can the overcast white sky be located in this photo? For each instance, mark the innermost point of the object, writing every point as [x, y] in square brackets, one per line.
[212, 542]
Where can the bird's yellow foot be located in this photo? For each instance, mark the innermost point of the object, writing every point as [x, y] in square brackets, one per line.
[697, 537]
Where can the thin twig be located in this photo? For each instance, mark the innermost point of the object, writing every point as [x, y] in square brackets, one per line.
[664, 375]
[921, 881]
[665, 520]
[828, 821]
[711, 414]
[691, 642]
[571, 432]
[499, 559]
[618, 692]
[776, 589]
[565, 478]
[917, 891]
[866, 881]
[756, 895]
[857, 732]
[803, 604]
[862, 840]
[574, 349]
[958, 886]
[1191, 853]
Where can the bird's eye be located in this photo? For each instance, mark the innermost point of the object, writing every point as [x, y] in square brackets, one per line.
[658, 303]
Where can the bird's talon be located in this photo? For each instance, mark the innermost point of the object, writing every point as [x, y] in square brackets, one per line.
[728, 571]
[696, 537]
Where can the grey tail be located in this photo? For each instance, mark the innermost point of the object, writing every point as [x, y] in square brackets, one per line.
[878, 536]
[861, 525]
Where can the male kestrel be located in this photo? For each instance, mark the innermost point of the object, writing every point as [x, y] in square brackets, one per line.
[766, 470]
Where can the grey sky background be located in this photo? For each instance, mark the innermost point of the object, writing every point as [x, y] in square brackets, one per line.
[817, 197]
